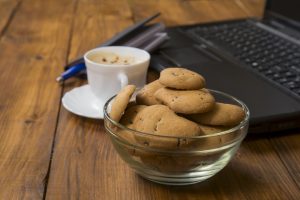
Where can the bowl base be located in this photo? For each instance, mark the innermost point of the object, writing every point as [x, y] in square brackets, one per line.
[175, 181]
[193, 176]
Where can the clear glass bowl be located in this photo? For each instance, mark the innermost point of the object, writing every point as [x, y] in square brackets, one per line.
[164, 161]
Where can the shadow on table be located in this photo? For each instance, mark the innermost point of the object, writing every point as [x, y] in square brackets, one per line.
[231, 180]
[259, 136]
[267, 143]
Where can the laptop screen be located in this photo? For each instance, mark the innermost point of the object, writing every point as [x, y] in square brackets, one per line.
[285, 8]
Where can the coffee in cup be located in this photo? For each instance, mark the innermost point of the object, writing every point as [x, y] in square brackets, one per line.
[113, 67]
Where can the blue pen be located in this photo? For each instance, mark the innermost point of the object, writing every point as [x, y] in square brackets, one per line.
[71, 72]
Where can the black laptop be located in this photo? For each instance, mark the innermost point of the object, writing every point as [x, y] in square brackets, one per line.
[257, 61]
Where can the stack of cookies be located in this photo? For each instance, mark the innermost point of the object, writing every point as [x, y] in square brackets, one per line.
[177, 105]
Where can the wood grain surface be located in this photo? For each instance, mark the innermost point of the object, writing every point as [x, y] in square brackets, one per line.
[32, 47]
[7, 11]
[287, 147]
[177, 12]
[48, 153]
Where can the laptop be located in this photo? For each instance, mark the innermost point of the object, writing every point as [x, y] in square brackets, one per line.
[255, 60]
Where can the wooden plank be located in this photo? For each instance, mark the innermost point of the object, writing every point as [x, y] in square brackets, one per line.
[32, 49]
[253, 8]
[287, 147]
[172, 12]
[7, 11]
[95, 22]
[193, 11]
[208, 11]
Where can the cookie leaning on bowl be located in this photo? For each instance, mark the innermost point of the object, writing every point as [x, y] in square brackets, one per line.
[127, 121]
[124, 112]
[120, 102]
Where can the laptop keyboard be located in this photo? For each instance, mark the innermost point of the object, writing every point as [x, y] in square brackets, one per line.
[269, 55]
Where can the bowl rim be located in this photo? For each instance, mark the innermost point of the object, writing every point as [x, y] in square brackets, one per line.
[233, 129]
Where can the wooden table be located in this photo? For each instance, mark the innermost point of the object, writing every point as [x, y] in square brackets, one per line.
[48, 153]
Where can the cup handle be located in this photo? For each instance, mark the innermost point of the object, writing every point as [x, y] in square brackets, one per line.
[123, 79]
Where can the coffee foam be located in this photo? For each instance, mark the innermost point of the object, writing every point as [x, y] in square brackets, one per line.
[110, 58]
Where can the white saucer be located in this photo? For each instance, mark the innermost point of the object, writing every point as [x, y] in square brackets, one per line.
[81, 101]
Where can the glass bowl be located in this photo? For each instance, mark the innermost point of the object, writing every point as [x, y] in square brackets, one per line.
[165, 161]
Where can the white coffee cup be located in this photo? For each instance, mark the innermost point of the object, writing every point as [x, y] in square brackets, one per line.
[107, 79]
